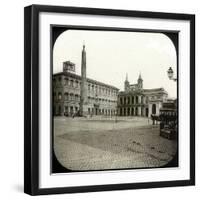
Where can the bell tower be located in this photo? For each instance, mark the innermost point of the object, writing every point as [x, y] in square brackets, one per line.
[126, 83]
[140, 82]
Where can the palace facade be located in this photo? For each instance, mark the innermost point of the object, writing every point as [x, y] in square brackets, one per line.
[136, 101]
[74, 94]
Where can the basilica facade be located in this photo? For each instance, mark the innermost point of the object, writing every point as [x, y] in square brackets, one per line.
[137, 101]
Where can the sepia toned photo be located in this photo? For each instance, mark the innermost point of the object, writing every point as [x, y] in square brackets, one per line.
[114, 99]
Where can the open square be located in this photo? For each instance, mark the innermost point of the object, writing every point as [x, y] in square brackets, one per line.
[100, 143]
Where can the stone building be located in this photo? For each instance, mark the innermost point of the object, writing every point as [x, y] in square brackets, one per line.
[136, 101]
[75, 94]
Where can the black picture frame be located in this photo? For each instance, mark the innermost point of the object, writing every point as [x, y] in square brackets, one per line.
[31, 98]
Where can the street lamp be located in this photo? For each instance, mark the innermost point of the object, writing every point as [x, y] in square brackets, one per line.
[170, 74]
[116, 115]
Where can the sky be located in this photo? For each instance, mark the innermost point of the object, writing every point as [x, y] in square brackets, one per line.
[112, 54]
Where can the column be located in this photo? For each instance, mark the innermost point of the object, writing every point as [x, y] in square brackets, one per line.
[139, 99]
[157, 109]
[150, 109]
[144, 100]
[139, 110]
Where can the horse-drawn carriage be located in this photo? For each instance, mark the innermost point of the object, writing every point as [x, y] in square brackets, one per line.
[168, 120]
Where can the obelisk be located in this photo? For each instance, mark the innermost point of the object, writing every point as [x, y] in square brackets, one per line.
[83, 100]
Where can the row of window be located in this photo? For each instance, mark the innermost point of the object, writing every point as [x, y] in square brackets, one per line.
[101, 90]
[67, 96]
[122, 100]
[99, 100]
[91, 87]
[98, 111]
[133, 111]
[70, 110]
[133, 100]
[69, 82]
[137, 111]
[76, 97]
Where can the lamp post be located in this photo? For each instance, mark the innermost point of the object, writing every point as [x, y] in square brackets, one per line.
[116, 115]
[170, 74]
[168, 118]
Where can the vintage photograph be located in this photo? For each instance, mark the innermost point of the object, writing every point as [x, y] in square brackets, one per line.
[114, 99]
[109, 99]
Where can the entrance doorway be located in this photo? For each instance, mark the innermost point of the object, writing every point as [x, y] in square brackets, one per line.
[96, 109]
[147, 112]
[154, 109]
[132, 111]
[136, 111]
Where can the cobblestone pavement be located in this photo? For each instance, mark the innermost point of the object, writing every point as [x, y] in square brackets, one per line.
[108, 143]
